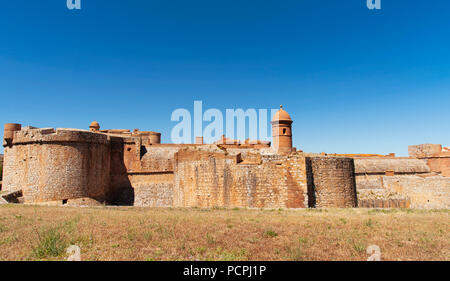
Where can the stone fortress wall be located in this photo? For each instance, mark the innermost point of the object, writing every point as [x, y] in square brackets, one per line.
[216, 177]
[123, 167]
[333, 181]
[49, 165]
[421, 180]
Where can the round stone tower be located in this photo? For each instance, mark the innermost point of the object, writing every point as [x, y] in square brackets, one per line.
[56, 165]
[332, 182]
[282, 131]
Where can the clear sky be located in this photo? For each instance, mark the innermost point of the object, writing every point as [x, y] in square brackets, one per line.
[354, 80]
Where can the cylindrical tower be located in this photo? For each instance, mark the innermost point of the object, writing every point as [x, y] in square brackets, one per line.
[9, 130]
[49, 165]
[282, 131]
[331, 182]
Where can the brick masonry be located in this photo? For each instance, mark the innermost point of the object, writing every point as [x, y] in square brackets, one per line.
[436, 156]
[49, 165]
[414, 182]
[423, 192]
[384, 203]
[120, 167]
[333, 182]
[207, 179]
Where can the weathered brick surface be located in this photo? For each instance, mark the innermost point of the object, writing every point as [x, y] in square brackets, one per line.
[153, 190]
[368, 182]
[134, 168]
[333, 182]
[217, 179]
[421, 183]
[149, 175]
[49, 166]
[158, 158]
[424, 150]
[141, 175]
[206, 179]
[424, 192]
[445, 167]
[370, 166]
[388, 203]
[82, 202]
[436, 157]
[440, 164]
[420, 191]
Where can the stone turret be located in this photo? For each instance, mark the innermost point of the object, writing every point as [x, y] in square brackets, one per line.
[282, 131]
[94, 127]
[8, 133]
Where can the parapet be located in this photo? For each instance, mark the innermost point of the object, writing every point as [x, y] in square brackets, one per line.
[424, 150]
[147, 137]
[248, 143]
[436, 156]
[366, 155]
[49, 135]
[396, 165]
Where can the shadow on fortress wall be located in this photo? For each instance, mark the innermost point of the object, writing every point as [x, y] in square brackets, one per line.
[121, 192]
[1, 170]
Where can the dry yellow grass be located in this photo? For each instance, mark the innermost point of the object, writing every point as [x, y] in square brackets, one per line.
[127, 233]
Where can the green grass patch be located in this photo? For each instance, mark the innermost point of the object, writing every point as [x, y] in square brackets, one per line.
[270, 233]
[51, 243]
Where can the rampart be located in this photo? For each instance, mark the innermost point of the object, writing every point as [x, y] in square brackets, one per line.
[123, 167]
[52, 165]
[418, 181]
[437, 157]
[216, 178]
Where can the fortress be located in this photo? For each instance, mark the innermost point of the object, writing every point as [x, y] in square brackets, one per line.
[123, 167]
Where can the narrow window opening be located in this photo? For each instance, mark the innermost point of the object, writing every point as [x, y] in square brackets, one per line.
[64, 202]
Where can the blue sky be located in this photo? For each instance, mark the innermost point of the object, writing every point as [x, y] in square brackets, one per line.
[354, 80]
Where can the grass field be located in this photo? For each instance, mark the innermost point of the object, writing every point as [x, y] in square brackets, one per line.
[127, 233]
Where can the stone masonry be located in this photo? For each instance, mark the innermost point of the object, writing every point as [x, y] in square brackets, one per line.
[123, 167]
